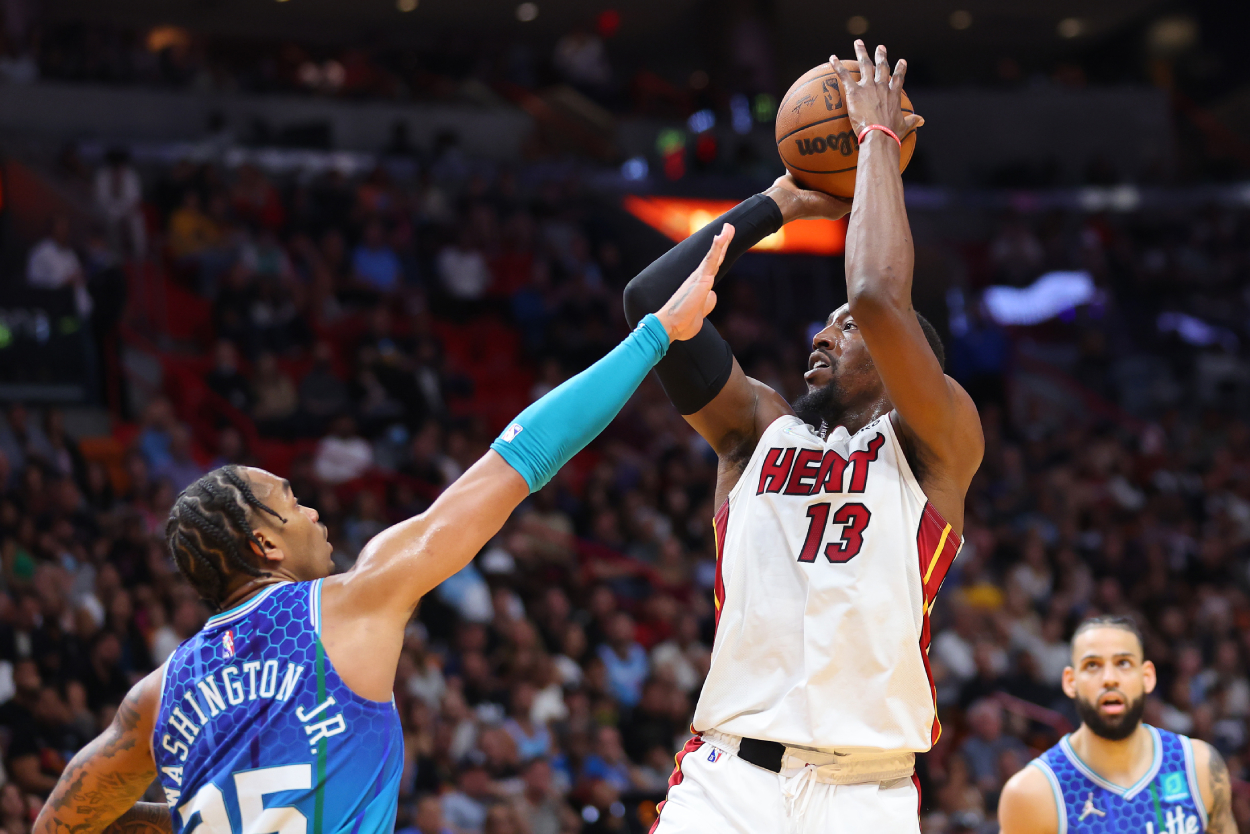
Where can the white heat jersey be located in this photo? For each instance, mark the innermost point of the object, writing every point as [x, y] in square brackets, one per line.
[828, 560]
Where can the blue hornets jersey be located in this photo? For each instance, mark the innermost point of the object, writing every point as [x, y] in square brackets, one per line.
[257, 734]
[1164, 801]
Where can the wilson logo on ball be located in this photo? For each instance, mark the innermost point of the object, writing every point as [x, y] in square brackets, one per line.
[844, 143]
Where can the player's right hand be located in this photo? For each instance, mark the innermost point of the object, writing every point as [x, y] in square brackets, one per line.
[797, 202]
[683, 314]
[877, 98]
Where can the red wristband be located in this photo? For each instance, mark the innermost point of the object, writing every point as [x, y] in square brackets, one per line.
[881, 128]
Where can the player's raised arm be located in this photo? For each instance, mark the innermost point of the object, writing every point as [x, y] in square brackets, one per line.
[701, 376]
[401, 564]
[935, 410]
[101, 786]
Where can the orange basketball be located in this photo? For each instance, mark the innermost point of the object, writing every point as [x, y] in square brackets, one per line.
[814, 136]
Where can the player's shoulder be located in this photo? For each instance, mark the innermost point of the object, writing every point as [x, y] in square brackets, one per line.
[1027, 804]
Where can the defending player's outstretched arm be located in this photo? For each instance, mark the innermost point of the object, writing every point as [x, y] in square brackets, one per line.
[368, 606]
[701, 376]
[100, 788]
[935, 410]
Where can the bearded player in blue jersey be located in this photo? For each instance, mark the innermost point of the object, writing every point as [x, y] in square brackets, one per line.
[277, 718]
[1116, 775]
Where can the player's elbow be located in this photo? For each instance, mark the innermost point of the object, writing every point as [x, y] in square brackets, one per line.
[638, 302]
[872, 297]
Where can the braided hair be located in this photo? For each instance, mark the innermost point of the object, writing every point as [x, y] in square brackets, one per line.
[209, 532]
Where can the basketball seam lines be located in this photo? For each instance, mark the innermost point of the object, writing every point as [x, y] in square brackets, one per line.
[838, 171]
[830, 119]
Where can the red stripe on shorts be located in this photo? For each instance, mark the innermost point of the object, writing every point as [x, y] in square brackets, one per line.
[674, 780]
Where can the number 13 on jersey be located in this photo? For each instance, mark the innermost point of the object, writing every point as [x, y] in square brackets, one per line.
[853, 518]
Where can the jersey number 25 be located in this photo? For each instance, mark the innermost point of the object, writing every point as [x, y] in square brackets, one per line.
[251, 786]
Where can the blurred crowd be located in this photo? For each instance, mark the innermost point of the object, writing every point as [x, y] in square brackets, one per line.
[368, 338]
[469, 69]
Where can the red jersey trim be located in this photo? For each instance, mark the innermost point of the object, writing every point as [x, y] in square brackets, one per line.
[719, 527]
[937, 545]
[692, 744]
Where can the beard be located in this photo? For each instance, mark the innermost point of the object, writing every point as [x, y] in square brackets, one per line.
[820, 405]
[1112, 728]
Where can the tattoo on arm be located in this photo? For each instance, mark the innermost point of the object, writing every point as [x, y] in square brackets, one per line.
[1220, 815]
[143, 818]
[103, 780]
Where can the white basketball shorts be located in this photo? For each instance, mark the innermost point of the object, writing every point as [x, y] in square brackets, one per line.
[712, 791]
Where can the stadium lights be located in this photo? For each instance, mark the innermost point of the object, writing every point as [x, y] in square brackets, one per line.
[1197, 332]
[527, 12]
[679, 217]
[857, 25]
[1071, 27]
[961, 20]
[1045, 298]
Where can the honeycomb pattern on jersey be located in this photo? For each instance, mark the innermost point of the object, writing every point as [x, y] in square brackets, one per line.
[361, 765]
[1147, 811]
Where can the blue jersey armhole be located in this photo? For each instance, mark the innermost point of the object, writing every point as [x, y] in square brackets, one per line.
[314, 606]
[160, 704]
[1061, 806]
[1191, 773]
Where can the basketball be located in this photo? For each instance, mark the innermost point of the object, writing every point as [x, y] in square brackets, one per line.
[814, 135]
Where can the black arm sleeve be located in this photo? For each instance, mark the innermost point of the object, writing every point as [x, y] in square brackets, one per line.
[693, 372]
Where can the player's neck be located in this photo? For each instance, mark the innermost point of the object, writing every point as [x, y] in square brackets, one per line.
[250, 589]
[1119, 762]
[855, 417]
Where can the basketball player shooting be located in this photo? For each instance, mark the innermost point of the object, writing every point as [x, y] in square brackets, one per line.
[1115, 773]
[838, 519]
[278, 715]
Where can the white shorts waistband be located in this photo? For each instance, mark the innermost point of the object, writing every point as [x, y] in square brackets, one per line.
[850, 766]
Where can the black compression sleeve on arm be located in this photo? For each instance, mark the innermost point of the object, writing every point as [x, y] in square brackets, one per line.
[694, 371]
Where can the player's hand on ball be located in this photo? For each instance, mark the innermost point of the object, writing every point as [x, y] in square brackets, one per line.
[876, 99]
[797, 202]
[683, 315]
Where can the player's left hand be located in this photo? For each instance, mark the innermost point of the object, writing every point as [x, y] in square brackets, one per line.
[797, 202]
[683, 314]
[877, 98]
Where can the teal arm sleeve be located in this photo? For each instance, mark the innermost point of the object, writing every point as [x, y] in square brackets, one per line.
[547, 434]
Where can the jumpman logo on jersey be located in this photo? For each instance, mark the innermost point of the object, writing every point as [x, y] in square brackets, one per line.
[1090, 809]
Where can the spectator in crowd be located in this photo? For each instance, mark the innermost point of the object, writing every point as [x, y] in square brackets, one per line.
[226, 380]
[462, 269]
[119, 201]
[53, 265]
[180, 469]
[322, 394]
[343, 454]
[375, 265]
[466, 807]
[274, 398]
[540, 805]
[983, 750]
[191, 232]
[429, 818]
[625, 659]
